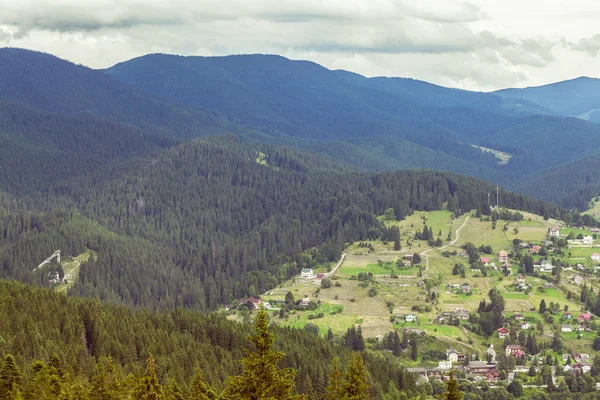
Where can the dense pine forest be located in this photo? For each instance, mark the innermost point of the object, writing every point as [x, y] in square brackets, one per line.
[69, 348]
[214, 220]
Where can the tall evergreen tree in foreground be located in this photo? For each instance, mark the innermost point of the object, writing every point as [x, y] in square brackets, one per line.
[452, 389]
[200, 390]
[149, 388]
[261, 379]
[356, 387]
[10, 378]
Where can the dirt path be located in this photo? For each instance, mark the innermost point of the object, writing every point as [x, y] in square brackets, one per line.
[339, 264]
[424, 254]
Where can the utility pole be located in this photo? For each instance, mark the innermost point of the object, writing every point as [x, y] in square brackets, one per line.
[497, 197]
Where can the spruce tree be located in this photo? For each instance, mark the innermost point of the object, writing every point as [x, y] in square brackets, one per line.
[10, 378]
[200, 390]
[452, 392]
[334, 389]
[356, 387]
[261, 379]
[148, 388]
[543, 307]
[107, 382]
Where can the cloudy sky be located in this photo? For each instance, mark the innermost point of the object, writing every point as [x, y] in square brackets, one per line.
[473, 44]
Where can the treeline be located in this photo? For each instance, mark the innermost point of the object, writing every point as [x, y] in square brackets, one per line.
[205, 223]
[36, 324]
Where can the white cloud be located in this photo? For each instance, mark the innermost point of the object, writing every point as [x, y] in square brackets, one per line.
[477, 44]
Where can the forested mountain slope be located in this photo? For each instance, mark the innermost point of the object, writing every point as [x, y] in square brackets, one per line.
[51, 84]
[206, 223]
[578, 97]
[368, 124]
[360, 115]
[38, 149]
[571, 186]
[36, 324]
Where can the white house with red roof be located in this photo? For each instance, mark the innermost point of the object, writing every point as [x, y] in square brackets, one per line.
[595, 257]
[515, 350]
[554, 231]
[503, 332]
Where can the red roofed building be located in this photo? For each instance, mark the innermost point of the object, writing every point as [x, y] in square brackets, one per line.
[320, 276]
[515, 350]
[584, 317]
[502, 333]
[485, 260]
[535, 250]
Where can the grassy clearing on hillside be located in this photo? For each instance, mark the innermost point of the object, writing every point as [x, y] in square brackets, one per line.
[373, 314]
[595, 209]
[71, 269]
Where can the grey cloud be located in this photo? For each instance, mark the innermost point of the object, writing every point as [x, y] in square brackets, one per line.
[589, 45]
[4, 35]
[69, 16]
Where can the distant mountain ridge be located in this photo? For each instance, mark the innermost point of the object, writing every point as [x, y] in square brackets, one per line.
[368, 124]
[51, 84]
[579, 97]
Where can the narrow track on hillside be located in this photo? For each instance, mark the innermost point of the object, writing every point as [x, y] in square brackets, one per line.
[425, 253]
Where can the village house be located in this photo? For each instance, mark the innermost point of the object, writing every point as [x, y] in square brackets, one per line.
[580, 328]
[568, 315]
[595, 257]
[554, 231]
[466, 289]
[548, 243]
[461, 314]
[306, 273]
[597, 269]
[305, 302]
[445, 365]
[410, 318]
[525, 325]
[521, 279]
[502, 256]
[320, 276]
[566, 328]
[256, 302]
[452, 355]
[535, 250]
[438, 320]
[585, 317]
[588, 240]
[548, 285]
[503, 332]
[484, 260]
[546, 266]
[595, 230]
[409, 257]
[436, 374]
[518, 317]
[581, 357]
[515, 350]
[419, 332]
[480, 367]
